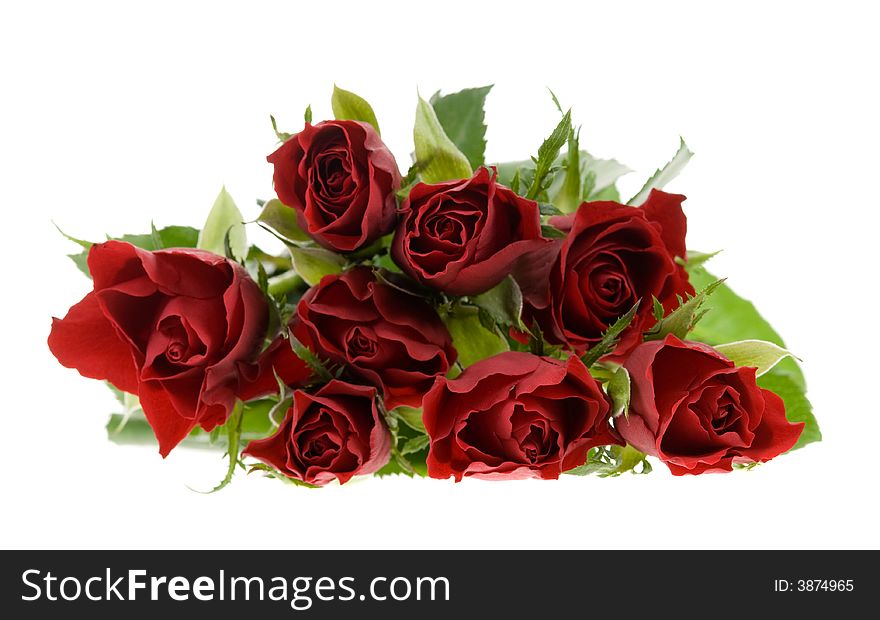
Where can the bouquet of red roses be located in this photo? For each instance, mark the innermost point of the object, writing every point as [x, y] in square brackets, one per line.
[503, 320]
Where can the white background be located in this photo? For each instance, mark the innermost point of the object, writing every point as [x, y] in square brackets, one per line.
[115, 114]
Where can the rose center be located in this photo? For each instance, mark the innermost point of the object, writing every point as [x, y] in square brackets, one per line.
[175, 351]
[181, 343]
[534, 444]
[318, 446]
[334, 175]
[609, 285]
[447, 229]
[361, 342]
[724, 417]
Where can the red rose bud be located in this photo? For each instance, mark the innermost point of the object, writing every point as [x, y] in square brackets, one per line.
[463, 237]
[341, 179]
[176, 327]
[337, 432]
[612, 257]
[695, 411]
[388, 338]
[516, 415]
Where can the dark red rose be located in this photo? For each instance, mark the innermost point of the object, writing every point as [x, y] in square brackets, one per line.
[463, 237]
[390, 339]
[341, 179]
[695, 411]
[612, 257]
[176, 327]
[337, 432]
[515, 415]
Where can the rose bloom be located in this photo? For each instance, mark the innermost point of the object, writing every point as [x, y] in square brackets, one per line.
[464, 236]
[341, 179]
[386, 337]
[515, 415]
[335, 433]
[697, 412]
[177, 327]
[612, 256]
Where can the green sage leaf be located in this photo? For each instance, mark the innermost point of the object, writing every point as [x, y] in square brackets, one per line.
[619, 391]
[282, 219]
[437, 157]
[470, 337]
[759, 354]
[348, 106]
[312, 264]
[503, 302]
[224, 221]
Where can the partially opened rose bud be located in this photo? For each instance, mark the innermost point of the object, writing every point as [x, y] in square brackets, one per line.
[697, 412]
[380, 334]
[333, 434]
[341, 179]
[613, 256]
[463, 237]
[516, 415]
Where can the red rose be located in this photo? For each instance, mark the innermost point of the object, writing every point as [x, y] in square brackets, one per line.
[337, 432]
[612, 257]
[176, 327]
[392, 340]
[515, 415]
[463, 237]
[695, 411]
[341, 179]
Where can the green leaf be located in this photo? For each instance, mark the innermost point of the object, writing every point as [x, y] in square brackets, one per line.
[598, 176]
[609, 193]
[731, 318]
[503, 303]
[759, 354]
[551, 232]
[547, 154]
[307, 116]
[282, 136]
[233, 443]
[603, 173]
[224, 222]
[462, 117]
[606, 461]
[695, 259]
[437, 157]
[568, 198]
[470, 338]
[415, 444]
[318, 367]
[664, 175]
[282, 219]
[348, 106]
[681, 321]
[609, 338]
[619, 390]
[131, 427]
[312, 264]
[787, 385]
[411, 416]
